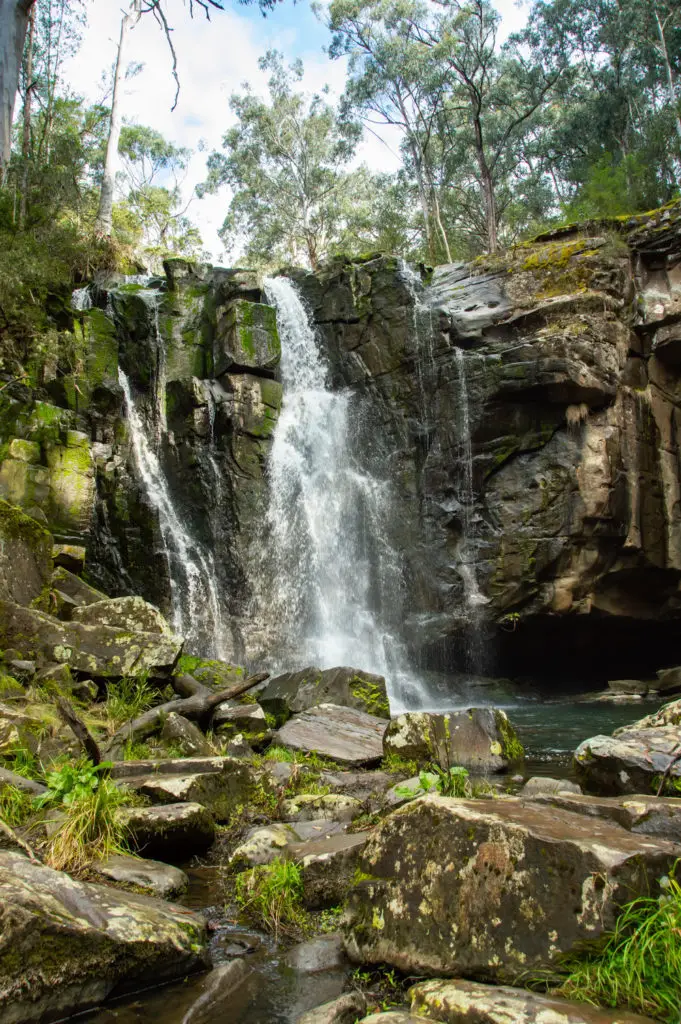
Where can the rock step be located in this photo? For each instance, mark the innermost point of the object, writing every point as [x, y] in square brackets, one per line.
[642, 814]
[344, 734]
[171, 766]
[328, 867]
[452, 1002]
[218, 791]
[173, 832]
[156, 878]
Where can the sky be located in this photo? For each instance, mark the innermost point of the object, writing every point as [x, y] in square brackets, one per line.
[214, 59]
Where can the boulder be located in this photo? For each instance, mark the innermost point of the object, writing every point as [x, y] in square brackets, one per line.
[629, 687]
[216, 993]
[103, 651]
[647, 815]
[669, 680]
[186, 735]
[76, 589]
[365, 786]
[247, 337]
[344, 734]
[310, 807]
[539, 784]
[294, 692]
[152, 876]
[247, 719]
[127, 770]
[492, 888]
[69, 556]
[172, 831]
[344, 1010]
[324, 953]
[132, 614]
[395, 1017]
[25, 556]
[467, 1002]
[56, 679]
[629, 762]
[216, 675]
[481, 739]
[328, 867]
[20, 782]
[262, 845]
[219, 792]
[66, 944]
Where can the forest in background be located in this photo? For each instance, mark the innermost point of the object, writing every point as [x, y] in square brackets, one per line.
[576, 117]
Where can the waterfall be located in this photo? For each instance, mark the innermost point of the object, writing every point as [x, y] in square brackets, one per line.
[466, 496]
[334, 574]
[81, 299]
[194, 589]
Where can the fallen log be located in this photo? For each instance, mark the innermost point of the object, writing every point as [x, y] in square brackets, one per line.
[187, 686]
[79, 729]
[197, 708]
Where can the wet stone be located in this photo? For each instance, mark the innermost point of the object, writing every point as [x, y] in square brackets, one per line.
[343, 734]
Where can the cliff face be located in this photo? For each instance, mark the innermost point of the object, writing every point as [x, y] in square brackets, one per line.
[527, 408]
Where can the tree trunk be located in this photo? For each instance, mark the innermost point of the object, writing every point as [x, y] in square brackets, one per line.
[670, 78]
[103, 223]
[490, 212]
[26, 136]
[13, 27]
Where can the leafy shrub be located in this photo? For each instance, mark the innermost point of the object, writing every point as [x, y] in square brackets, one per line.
[72, 782]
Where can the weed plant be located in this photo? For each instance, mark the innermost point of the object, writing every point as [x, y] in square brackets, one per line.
[128, 699]
[639, 966]
[271, 894]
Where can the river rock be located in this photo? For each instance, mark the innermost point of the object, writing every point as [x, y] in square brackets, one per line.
[324, 953]
[310, 807]
[154, 877]
[25, 556]
[76, 589]
[98, 650]
[262, 845]
[130, 613]
[247, 719]
[220, 792]
[492, 888]
[343, 734]
[669, 680]
[344, 1010]
[368, 787]
[481, 739]
[186, 735]
[630, 762]
[67, 944]
[328, 867]
[539, 784]
[467, 1002]
[294, 692]
[171, 831]
[629, 687]
[647, 815]
[69, 556]
[215, 993]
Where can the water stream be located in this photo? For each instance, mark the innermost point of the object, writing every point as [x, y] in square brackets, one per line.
[335, 578]
[194, 588]
[474, 597]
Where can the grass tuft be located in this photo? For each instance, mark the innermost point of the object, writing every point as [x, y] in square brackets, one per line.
[639, 966]
[271, 894]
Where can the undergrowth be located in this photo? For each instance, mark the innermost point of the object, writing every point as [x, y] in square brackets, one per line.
[639, 966]
[16, 806]
[127, 699]
[271, 894]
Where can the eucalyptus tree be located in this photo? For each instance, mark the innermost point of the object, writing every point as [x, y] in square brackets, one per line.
[285, 161]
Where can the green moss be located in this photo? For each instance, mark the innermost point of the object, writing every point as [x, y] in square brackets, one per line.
[512, 748]
[371, 696]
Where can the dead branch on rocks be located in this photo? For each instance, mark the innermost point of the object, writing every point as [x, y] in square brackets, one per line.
[197, 708]
[79, 729]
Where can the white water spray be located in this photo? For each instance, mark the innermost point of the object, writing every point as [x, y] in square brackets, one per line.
[473, 595]
[335, 574]
[194, 588]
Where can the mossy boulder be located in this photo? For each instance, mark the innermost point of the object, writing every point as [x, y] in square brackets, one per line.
[25, 556]
[132, 614]
[65, 945]
[247, 337]
[480, 739]
[294, 692]
[72, 483]
[174, 832]
[103, 651]
[216, 675]
[492, 888]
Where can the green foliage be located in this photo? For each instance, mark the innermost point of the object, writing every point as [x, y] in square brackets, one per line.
[397, 765]
[329, 920]
[70, 783]
[452, 781]
[90, 828]
[128, 698]
[16, 806]
[639, 966]
[271, 894]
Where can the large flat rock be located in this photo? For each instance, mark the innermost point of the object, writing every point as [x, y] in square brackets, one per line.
[102, 651]
[327, 866]
[631, 762]
[344, 734]
[65, 945]
[294, 692]
[647, 815]
[493, 888]
[466, 1002]
[171, 832]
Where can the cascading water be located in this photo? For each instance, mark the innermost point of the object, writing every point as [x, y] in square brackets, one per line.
[194, 589]
[333, 571]
[474, 598]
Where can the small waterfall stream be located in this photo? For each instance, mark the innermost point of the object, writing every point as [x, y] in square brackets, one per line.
[195, 597]
[334, 572]
[474, 598]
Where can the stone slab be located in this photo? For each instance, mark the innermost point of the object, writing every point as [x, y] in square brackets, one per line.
[344, 734]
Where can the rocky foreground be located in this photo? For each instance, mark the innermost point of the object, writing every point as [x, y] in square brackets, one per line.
[441, 876]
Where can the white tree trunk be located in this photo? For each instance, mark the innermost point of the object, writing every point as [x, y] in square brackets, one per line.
[671, 89]
[103, 223]
[13, 26]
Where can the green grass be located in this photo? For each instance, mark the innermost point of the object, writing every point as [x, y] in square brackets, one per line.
[90, 830]
[639, 966]
[128, 699]
[271, 894]
[397, 765]
[16, 807]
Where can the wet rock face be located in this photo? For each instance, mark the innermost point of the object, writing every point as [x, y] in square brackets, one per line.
[572, 388]
[492, 889]
[25, 556]
[481, 739]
